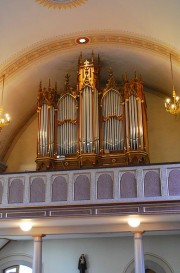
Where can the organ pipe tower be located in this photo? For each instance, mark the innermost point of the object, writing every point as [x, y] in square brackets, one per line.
[91, 126]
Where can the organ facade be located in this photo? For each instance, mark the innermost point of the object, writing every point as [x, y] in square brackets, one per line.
[91, 126]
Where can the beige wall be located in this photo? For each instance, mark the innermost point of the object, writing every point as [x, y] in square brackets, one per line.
[23, 154]
[163, 128]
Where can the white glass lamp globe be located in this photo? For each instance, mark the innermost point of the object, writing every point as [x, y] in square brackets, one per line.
[134, 222]
[26, 226]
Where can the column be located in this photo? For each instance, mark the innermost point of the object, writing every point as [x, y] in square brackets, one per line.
[138, 253]
[37, 257]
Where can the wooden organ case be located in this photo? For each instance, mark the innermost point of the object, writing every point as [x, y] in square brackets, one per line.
[92, 127]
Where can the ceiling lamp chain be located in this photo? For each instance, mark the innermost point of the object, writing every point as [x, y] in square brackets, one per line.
[173, 107]
[4, 118]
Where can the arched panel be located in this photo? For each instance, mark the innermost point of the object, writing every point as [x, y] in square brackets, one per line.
[82, 188]
[152, 184]
[174, 182]
[105, 187]
[59, 189]
[67, 129]
[37, 191]
[16, 191]
[128, 185]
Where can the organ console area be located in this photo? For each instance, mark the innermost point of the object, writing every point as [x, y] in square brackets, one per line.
[91, 125]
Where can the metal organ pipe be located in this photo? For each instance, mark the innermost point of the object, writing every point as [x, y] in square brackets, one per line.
[111, 130]
[133, 123]
[44, 129]
[128, 141]
[66, 130]
[113, 138]
[87, 116]
[108, 123]
[112, 121]
[136, 123]
[83, 115]
[51, 137]
[96, 122]
[97, 117]
[40, 132]
[117, 123]
[90, 123]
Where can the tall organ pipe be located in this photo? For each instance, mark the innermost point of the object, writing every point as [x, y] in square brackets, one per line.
[128, 127]
[67, 129]
[140, 124]
[136, 122]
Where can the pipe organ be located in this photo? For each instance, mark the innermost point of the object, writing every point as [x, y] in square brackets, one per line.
[92, 126]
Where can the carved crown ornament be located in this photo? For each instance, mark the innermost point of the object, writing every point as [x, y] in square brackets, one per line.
[61, 4]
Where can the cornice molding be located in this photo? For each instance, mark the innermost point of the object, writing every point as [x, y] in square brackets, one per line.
[62, 43]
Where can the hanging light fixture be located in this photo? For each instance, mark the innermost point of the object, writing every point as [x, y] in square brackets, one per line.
[174, 106]
[4, 118]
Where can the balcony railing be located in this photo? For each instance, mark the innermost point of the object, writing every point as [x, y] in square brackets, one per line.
[133, 189]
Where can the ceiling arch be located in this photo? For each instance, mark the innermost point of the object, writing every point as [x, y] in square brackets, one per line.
[58, 56]
[69, 42]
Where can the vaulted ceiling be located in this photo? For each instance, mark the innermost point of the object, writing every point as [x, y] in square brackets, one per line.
[39, 42]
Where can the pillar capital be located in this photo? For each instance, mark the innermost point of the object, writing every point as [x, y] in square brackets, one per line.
[138, 234]
[35, 236]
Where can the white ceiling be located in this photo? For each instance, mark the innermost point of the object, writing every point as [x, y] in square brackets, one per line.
[38, 43]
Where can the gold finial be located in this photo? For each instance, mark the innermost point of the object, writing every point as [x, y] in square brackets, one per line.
[111, 82]
[135, 75]
[110, 72]
[98, 59]
[86, 63]
[67, 79]
[67, 85]
[80, 58]
[49, 84]
[126, 77]
[40, 86]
